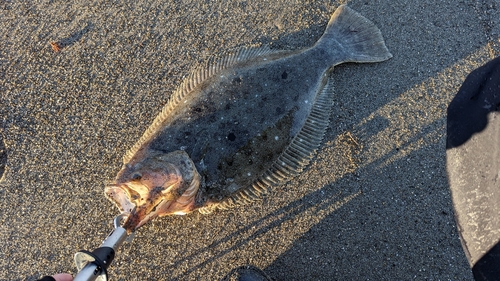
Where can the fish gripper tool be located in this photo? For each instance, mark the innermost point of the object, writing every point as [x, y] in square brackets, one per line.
[93, 265]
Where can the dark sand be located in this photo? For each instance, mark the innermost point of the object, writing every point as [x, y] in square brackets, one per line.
[373, 205]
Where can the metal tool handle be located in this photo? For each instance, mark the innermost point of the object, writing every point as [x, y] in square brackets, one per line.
[93, 265]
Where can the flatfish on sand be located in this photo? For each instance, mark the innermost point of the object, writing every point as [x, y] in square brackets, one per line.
[243, 123]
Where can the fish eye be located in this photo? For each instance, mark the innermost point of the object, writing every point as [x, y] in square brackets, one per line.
[136, 176]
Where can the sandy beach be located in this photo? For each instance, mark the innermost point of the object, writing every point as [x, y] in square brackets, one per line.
[374, 204]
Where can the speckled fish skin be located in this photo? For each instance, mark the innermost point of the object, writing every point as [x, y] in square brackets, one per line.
[245, 122]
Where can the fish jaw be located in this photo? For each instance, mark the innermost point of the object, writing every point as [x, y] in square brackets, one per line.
[159, 185]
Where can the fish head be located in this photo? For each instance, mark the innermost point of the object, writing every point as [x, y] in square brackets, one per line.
[158, 185]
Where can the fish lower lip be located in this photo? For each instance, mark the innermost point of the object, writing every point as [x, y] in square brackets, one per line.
[134, 219]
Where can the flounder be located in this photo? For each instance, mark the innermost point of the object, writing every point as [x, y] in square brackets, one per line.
[243, 123]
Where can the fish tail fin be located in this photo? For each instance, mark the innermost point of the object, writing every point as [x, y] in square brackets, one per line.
[353, 37]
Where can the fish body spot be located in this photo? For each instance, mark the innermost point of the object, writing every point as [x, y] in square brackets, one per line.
[284, 75]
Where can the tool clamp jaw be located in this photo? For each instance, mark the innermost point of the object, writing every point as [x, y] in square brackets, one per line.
[93, 265]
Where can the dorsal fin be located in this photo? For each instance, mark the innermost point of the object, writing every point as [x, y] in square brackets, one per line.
[292, 160]
[213, 66]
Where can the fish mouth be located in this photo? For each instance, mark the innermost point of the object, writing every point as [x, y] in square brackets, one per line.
[142, 207]
[159, 186]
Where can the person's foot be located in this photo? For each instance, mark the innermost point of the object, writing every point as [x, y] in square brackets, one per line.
[247, 273]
